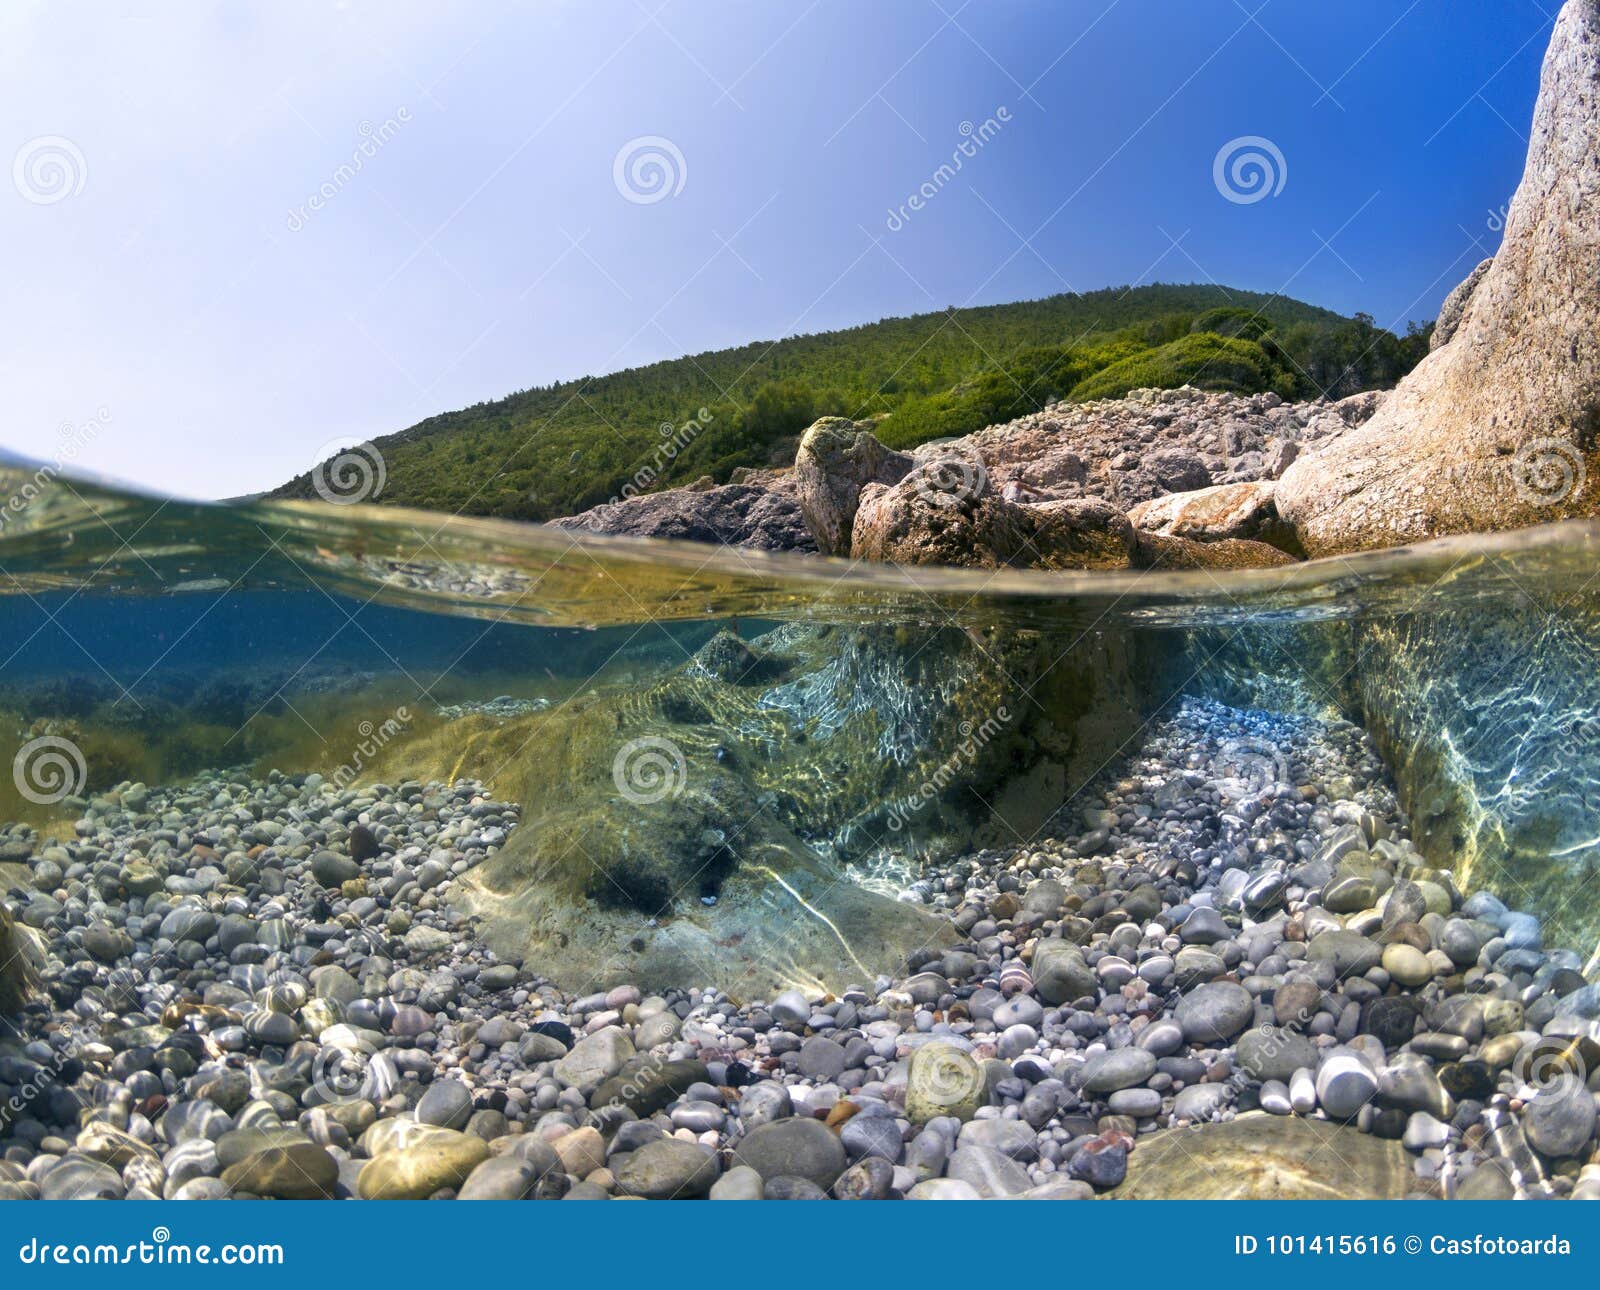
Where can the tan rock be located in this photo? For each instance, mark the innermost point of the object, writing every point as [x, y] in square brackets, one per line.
[581, 1152]
[1500, 427]
[948, 512]
[836, 460]
[1176, 554]
[1265, 1157]
[1248, 512]
[429, 1163]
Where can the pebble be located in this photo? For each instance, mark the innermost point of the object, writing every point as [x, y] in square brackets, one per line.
[1103, 983]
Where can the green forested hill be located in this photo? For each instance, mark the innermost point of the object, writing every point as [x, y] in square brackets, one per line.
[556, 450]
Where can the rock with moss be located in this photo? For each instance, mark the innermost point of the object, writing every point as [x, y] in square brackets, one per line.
[836, 460]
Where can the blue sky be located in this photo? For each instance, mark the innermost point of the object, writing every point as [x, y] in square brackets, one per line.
[177, 296]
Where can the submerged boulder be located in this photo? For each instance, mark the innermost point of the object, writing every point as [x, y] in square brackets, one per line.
[1499, 427]
[1177, 554]
[1266, 1157]
[16, 974]
[716, 815]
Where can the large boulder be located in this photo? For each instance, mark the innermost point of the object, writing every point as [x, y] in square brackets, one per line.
[836, 460]
[1500, 427]
[764, 516]
[948, 511]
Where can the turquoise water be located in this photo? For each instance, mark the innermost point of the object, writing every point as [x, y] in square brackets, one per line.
[163, 638]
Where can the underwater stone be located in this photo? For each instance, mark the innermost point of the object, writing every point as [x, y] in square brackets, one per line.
[1262, 1157]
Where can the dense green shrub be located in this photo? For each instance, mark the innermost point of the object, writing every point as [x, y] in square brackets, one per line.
[1206, 361]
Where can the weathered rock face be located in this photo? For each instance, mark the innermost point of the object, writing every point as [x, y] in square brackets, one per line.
[1454, 308]
[1248, 512]
[764, 516]
[836, 460]
[1500, 427]
[1115, 454]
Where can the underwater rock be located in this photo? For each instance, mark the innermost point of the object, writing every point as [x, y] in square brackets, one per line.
[704, 819]
[767, 518]
[1266, 1157]
[16, 972]
[1157, 551]
[1499, 428]
[836, 460]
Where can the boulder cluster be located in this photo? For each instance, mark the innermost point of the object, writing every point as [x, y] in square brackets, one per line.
[1498, 428]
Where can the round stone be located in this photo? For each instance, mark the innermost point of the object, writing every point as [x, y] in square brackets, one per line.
[1117, 1068]
[1272, 1053]
[1560, 1120]
[1407, 965]
[800, 1148]
[446, 1103]
[1345, 1085]
[1214, 1013]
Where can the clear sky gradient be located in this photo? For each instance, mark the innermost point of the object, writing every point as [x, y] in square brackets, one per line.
[169, 278]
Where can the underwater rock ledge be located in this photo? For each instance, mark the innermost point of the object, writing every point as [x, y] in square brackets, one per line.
[725, 823]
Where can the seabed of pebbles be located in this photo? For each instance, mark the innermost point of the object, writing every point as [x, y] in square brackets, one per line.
[259, 988]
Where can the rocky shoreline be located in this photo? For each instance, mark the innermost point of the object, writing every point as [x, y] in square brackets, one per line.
[262, 988]
[1496, 429]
